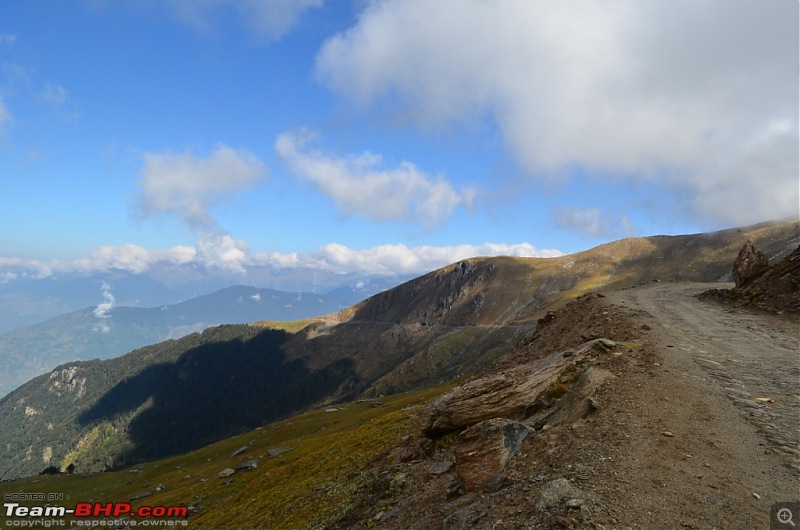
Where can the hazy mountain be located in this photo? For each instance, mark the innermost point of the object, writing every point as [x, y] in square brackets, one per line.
[108, 330]
[29, 299]
[182, 394]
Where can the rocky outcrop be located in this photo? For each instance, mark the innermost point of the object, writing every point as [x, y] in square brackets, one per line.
[485, 448]
[514, 394]
[774, 288]
[581, 398]
[749, 264]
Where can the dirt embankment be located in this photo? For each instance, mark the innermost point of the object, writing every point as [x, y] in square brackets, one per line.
[699, 428]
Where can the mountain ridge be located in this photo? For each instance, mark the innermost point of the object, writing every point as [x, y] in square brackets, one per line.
[442, 325]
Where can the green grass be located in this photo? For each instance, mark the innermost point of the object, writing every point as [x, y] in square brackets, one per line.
[312, 485]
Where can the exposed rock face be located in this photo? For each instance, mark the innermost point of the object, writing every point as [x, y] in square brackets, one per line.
[485, 448]
[749, 264]
[511, 394]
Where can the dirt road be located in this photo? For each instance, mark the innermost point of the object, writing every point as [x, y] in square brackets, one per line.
[678, 437]
[701, 450]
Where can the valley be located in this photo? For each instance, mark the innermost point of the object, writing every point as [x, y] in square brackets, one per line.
[589, 391]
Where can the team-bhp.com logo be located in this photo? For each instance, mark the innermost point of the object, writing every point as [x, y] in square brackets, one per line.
[94, 514]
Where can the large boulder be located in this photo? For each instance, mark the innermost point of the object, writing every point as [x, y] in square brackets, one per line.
[512, 394]
[749, 264]
[484, 450]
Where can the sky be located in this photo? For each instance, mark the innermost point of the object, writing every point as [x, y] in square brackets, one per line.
[385, 136]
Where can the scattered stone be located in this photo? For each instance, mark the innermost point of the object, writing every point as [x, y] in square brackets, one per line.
[332, 409]
[160, 487]
[376, 404]
[239, 451]
[247, 464]
[141, 495]
[668, 434]
[440, 468]
[464, 518]
[574, 503]
[279, 451]
[225, 473]
[756, 496]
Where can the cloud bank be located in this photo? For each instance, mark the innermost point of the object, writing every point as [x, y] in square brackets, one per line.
[358, 185]
[223, 254]
[700, 96]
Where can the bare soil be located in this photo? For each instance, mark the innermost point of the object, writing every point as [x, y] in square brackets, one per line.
[680, 438]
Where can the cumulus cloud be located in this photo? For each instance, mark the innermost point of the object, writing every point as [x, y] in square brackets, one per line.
[358, 185]
[187, 185]
[131, 258]
[268, 18]
[698, 96]
[220, 250]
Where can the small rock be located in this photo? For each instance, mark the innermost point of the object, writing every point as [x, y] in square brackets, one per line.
[668, 434]
[279, 451]
[141, 495]
[574, 503]
[439, 468]
[332, 409]
[756, 496]
[247, 464]
[555, 492]
[239, 451]
[227, 472]
[160, 487]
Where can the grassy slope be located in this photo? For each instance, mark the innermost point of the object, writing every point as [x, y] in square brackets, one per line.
[311, 485]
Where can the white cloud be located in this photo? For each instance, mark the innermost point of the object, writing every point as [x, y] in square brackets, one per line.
[701, 96]
[131, 258]
[103, 309]
[220, 250]
[269, 18]
[357, 184]
[56, 95]
[400, 259]
[187, 186]
[593, 222]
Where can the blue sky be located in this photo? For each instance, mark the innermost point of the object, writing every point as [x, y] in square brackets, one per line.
[385, 136]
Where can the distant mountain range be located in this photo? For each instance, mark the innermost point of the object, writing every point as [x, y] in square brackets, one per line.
[181, 394]
[107, 330]
[29, 299]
